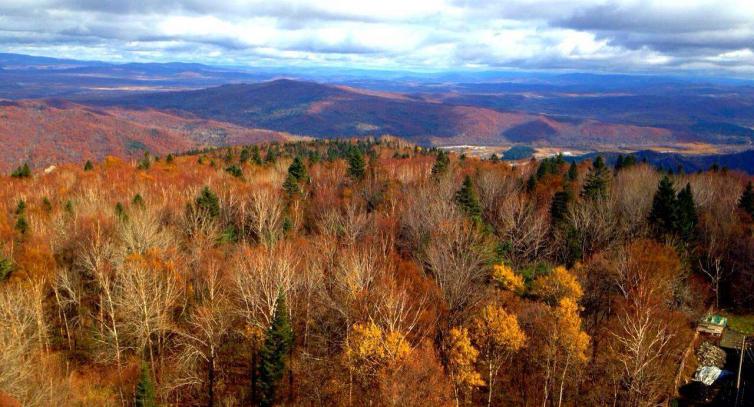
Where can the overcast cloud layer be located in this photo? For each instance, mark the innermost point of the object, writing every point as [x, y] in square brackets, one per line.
[603, 35]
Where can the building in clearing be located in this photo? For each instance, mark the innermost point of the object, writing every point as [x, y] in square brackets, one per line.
[712, 324]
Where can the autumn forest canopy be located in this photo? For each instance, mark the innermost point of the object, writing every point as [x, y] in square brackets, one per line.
[371, 272]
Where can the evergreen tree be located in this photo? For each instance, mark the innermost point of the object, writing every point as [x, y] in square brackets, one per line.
[271, 156]
[120, 211]
[46, 204]
[144, 396]
[442, 163]
[531, 183]
[297, 170]
[559, 206]
[22, 172]
[595, 186]
[245, 155]
[88, 166]
[20, 207]
[467, 199]
[256, 158]
[573, 172]
[138, 201]
[22, 226]
[356, 165]
[169, 159]
[494, 158]
[663, 216]
[619, 165]
[686, 217]
[746, 202]
[207, 201]
[234, 170]
[274, 354]
[290, 186]
[6, 267]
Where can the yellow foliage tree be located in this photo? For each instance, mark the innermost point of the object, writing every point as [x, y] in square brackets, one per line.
[498, 335]
[558, 285]
[507, 279]
[567, 344]
[462, 356]
[369, 348]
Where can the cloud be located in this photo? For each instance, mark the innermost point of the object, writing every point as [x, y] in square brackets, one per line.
[605, 35]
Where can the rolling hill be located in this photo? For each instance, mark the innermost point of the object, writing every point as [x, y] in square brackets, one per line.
[44, 133]
[321, 110]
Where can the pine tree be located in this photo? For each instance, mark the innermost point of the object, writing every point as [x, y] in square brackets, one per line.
[274, 354]
[46, 204]
[271, 156]
[573, 172]
[686, 217]
[22, 226]
[297, 170]
[88, 166]
[207, 200]
[22, 172]
[245, 155]
[356, 165]
[595, 186]
[663, 216]
[144, 396]
[21, 207]
[467, 199]
[559, 206]
[442, 163]
[256, 158]
[138, 201]
[619, 163]
[290, 186]
[746, 202]
[169, 159]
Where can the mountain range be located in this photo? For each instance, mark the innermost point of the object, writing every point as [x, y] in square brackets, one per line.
[58, 109]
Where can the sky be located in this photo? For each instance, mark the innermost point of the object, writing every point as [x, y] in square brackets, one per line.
[583, 35]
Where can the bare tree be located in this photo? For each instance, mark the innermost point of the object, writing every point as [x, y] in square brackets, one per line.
[266, 210]
[207, 327]
[456, 256]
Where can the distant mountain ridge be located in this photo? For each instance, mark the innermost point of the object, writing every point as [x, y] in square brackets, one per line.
[323, 110]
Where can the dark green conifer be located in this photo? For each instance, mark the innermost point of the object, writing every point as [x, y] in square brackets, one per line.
[144, 395]
[663, 216]
[245, 155]
[468, 201]
[442, 163]
[746, 202]
[595, 185]
[20, 207]
[88, 166]
[559, 206]
[573, 172]
[22, 226]
[356, 165]
[686, 217]
[208, 201]
[22, 172]
[274, 354]
[297, 170]
[138, 201]
[46, 204]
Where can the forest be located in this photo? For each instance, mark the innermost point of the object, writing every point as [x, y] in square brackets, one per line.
[371, 272]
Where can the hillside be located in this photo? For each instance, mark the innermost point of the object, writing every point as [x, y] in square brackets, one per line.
[321, 110]
[44, 133]
[370, 271]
